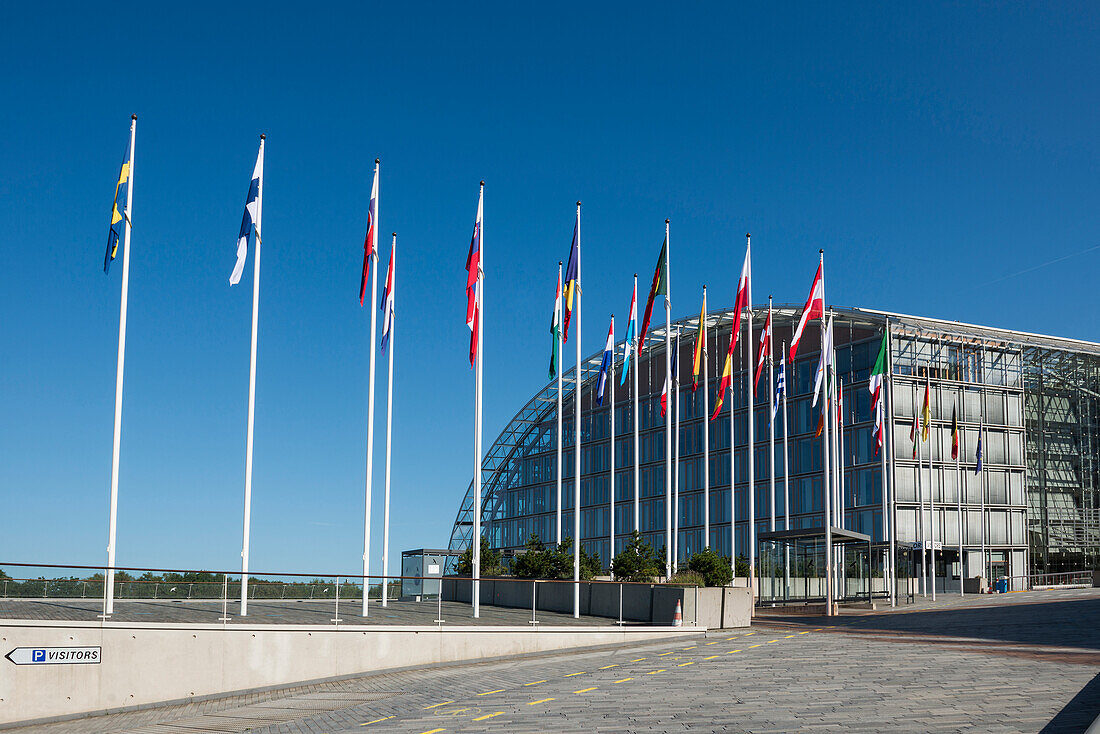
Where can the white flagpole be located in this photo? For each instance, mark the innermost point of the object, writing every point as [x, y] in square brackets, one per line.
[931, 494]
[668, 418]
[771, 420]
[109, 608]
[751, 414]
[611, 418]
[370, 397]
[733, 475]
[786, 473]
[881, 418]
[577, 439]
[825, 451]
[920, 497]
[638, 339]
[558, 307]
[252, 389]
[676, 465]
[389, 430]
[706, 429]
[959, 498]
[476, 595]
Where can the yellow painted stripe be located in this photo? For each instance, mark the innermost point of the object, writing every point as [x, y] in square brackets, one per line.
[570, 675]
[732, 652]
[655, 672]
[586, 690]
[437, 705]
[534, 682]
[714, 643]
[804, 633]
[637, 660]
[488, 716]
[384, 718]
[624, 680]
[683, 665]
[661, 655]
[489, 693]
[749, 633]
[788, 637]
[433, 731]
[771, 641]
[541, 700]
[712, 657]
[689, 648]
[751, 646]
[606, 667]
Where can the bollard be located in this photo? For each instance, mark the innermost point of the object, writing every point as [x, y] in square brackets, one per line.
[534, 586]
[336, 617]
[225, 599]
[439, 604]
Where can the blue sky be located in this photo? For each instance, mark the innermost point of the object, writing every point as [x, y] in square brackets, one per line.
[944, 155]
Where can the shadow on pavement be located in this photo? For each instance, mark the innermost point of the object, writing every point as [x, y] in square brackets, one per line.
[1079, 713]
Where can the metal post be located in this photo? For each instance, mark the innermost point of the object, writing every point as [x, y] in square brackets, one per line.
[439, 604]
[336, 617]
[620, 605]
[225, 598]
[534, 596]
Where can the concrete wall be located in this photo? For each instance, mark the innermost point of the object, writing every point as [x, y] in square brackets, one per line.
[145, 664]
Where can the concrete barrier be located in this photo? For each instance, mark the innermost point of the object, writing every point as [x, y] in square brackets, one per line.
[143, 664]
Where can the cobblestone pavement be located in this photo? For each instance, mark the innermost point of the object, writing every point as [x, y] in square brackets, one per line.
[1024, 665]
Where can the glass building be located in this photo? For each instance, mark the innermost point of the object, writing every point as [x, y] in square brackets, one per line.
[1035, 506]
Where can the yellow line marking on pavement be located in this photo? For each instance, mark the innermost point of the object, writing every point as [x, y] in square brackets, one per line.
[804, 633]
[624, 680]
[712, 657]
[751, 646]
[437, 705]
[570, 675]
[689, 648]
[788, 637]
[771, 641]
[489, 693]
[661, 655]
[819, 629]
[534, 682]
[488, 716]
[541, 700]
[609, 666]
[732, 652]
[384, 718]
[716, 642]
[433, 731]
[749, 633]
[586, 690]
[655, 672]
[733, 638]
[682, 665]
[637, 660]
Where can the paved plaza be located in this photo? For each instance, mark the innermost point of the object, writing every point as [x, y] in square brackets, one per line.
[1016, 663]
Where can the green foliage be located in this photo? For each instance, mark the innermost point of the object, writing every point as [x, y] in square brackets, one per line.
[742, 567]
[684, 577]
[714, 569]
[548, 562]
[636, 562]
[490, 561]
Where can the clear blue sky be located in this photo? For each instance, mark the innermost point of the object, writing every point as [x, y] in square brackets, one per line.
[935, 151]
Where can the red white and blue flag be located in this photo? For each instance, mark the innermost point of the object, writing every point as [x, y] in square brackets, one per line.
[670, 377]
[631, 332]
[474, 275]
[605, 365]
[370, 242]
[387, 300]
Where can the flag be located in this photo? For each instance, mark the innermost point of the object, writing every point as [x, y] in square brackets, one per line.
[659, 287]
[824, 362]
[727, 376]
[700, 344]
[669, 377]
[605, 365]
[121, 187]
[764, 350]
[571, 284]
[555, 329]
[744, 295]
[370, 249]
[814, 309]
[978, 454]
[925, 414]
[874, 385]
[914, 432]
[780, 384]
[387, 301]
[474, 275]
[251, 210]
[954, 434]
[631, 332]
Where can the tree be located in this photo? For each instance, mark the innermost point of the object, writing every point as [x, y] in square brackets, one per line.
[542, 562]
[636, 561]
[714, 569]
[490, 561]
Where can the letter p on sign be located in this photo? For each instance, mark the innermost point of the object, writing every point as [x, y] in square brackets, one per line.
[38, 656]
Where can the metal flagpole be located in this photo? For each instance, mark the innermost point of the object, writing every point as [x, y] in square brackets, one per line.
[577, 440]
[389, 427]
[920, 497]
[676, 465]
[751, 415]
[883, 495]
[370, 397]
[476, 540]
[888, 447]
[668, 418]
[252, 388]
[931, 495]
[560, 369]
[959, 498]
[733, 475]
[109, 607]
[611, 418]
[637, 476]
[825, 464]
[771, 421]
[786, 473]
[706, 429]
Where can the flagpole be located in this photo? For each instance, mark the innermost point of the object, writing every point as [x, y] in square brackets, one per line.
[251, 389]
[750, 404]
[611, 483]
[676, 464]
[920, 496]
[826, 491]
[733, 474]
[558, 307]
[888, 446]
[389, 426]
[786, 475]
[931, 494]
[116, 444]
[668, 421]
[959, 496]
[638, 339]
[577, 440]
[771, 420]
[476, 595]
[887, 566]
[706, 430]
[373, 255]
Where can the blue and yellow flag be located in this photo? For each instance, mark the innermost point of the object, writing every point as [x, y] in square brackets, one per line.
[116, 216]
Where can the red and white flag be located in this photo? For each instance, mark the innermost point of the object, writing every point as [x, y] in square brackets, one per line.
[744, 297]
[370, 243]
[814, 309]
[474, 275]
[765, 349]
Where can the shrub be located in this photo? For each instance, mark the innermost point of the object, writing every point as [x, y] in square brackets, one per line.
[714, 569]
[490, 561]
[636, 562]
[542, 562]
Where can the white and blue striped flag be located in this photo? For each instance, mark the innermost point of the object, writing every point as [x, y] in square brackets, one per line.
[251, 217]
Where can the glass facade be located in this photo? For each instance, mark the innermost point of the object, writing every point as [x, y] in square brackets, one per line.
[1034, 400]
